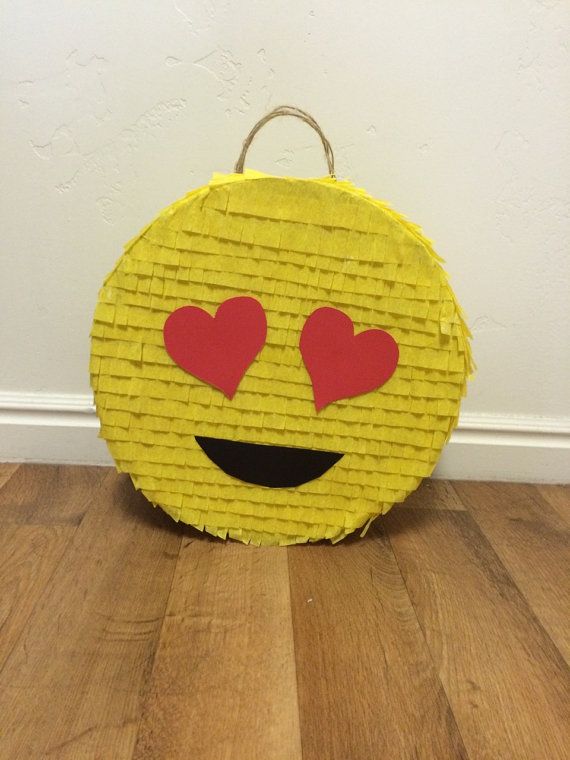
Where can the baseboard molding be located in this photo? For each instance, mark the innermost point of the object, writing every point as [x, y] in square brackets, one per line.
[63, 429]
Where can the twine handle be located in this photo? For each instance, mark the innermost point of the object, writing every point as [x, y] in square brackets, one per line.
[286, 111]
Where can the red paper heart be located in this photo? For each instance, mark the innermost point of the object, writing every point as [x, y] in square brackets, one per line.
[340, 363]
[219, 349]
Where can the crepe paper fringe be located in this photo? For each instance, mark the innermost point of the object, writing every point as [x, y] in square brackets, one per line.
[295, 245]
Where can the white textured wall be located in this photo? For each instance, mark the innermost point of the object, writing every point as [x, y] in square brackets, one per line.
[458, 113]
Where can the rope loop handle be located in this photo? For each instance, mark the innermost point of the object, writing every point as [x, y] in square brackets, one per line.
[286, 111]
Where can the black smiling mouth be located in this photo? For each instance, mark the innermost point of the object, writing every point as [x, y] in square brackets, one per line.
[264, 465]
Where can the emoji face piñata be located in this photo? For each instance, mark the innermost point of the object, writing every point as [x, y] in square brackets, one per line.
[278, 360]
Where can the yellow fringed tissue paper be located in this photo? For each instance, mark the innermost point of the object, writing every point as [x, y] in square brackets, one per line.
[278, 360]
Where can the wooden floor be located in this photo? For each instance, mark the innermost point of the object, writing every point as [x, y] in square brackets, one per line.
[442, 634]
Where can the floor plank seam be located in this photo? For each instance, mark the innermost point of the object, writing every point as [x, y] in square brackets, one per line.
[531, 613]
[540, 502]
[148, 681]
[9, 478]
[37, 603]
[293, 638]
[435, 668]
[112, 473]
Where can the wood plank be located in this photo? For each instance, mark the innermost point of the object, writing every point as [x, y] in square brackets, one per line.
[72, 686]
[559, 499]
[533, 542]
[506, 681]
[367, 684]
[29, 555]
[49, 494]
[7, 469]
[224, 684]
[433, 494]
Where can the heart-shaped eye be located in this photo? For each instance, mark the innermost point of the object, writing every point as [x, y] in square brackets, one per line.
[218, 349]
[340, 363]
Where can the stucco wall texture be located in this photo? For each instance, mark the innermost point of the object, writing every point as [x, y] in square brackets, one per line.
[455, 113]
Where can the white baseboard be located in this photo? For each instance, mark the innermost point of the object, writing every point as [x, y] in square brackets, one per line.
[63, 428]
